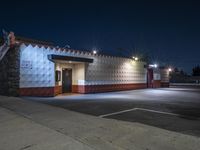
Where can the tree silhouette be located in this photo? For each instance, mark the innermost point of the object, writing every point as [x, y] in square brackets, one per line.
[196, 71]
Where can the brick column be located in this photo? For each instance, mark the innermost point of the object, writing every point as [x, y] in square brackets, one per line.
[10, 72]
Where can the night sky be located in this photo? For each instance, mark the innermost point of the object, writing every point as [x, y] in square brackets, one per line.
[167, 31]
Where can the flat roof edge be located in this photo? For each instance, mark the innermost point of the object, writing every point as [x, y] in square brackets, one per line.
[54, 57]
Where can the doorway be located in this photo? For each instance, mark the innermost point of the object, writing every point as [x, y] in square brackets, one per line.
[66, 80]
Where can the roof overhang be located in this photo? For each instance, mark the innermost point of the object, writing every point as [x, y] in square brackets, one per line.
[53, 57]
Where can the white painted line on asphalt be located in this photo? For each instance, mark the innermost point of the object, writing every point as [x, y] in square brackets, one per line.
[156, 111]
[119, 112]
[143, 109]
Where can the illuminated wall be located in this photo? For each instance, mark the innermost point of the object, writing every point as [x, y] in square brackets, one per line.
[156, 74]
[36, 71]
[115, 70]
[164, 75]
[78, 72]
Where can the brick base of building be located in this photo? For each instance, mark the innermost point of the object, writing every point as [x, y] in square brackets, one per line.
[164, 84]
[53, 91]
[156, 84]
[57, 90]
[41, 91]
[106, 88]
[37, 91]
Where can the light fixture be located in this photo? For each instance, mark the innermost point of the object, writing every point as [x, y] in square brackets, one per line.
[169, 69]
[135, 58]
[94, 52]
[153, 65]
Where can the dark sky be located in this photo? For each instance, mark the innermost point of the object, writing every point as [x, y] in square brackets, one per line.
[167, 31]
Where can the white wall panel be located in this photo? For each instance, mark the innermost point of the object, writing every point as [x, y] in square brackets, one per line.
[114, 70]
[35, 68]
[37, 71]
[164, 75]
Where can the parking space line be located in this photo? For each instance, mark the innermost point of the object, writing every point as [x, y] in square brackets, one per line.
[116, 113]
[156, 111]
[143, 109]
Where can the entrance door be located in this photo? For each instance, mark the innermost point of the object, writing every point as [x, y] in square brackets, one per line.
[66, 80]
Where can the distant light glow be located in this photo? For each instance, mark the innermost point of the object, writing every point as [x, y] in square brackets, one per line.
[153, 65]
[135, 58]
[94, 52]
[170, 69]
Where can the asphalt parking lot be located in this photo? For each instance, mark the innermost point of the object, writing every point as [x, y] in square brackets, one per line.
[174, 109]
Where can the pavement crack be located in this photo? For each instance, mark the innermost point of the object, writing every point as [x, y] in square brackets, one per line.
[25, 147]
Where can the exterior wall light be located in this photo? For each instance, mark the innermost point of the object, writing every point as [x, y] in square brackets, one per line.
[153, 65]
[170, 69]
[94, 52]
[135, 58]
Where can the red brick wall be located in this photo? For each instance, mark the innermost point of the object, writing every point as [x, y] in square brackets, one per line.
[53, 91]
[164, 84]
[41, 91]
[106, 88]
[156, 84]
[37, 91]
[57, 90]
[78, 89]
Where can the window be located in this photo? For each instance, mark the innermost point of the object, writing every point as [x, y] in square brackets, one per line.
[58, 75]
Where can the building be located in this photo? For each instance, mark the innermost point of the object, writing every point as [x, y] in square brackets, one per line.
[35, 68]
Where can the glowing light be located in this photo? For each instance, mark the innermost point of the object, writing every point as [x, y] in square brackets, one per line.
[94, 52]
[170, 69]
[135, 58]
[153, 65]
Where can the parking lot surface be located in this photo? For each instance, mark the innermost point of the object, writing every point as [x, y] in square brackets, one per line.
[174, 109]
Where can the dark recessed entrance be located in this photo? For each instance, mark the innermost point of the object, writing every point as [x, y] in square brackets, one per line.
[67, 80]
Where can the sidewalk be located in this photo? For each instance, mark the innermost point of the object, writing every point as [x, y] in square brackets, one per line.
[26, 125]
[19, 133]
